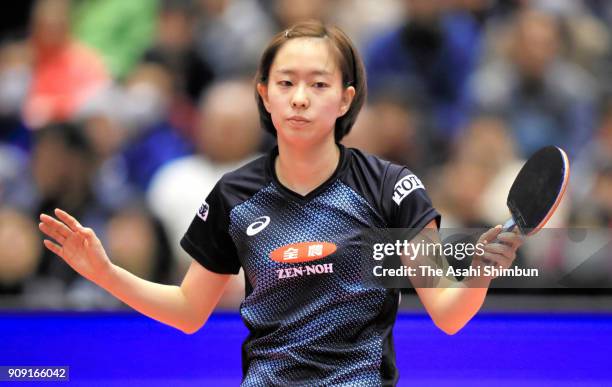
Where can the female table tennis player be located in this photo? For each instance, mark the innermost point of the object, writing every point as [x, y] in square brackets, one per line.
[291, 220]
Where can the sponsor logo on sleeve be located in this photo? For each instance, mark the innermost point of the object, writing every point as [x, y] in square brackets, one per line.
[405, 186]
[203, 211]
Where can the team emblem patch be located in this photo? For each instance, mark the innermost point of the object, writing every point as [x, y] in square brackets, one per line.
[404, 187]
[203, 211]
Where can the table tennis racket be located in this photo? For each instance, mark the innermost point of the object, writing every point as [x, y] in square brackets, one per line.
[537, 190]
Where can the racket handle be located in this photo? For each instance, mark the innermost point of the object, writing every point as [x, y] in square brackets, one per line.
[507, 226]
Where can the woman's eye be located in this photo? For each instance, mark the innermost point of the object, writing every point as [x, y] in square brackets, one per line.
[284, 83]
[320, 85]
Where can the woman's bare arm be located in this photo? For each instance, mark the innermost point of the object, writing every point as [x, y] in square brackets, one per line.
[186, 307]
[452, 304]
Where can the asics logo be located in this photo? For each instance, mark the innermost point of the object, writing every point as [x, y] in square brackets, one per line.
[258, 225]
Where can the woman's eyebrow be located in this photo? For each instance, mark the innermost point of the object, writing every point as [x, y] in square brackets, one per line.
[312, 72]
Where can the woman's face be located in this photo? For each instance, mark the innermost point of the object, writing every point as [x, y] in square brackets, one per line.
[304, 94]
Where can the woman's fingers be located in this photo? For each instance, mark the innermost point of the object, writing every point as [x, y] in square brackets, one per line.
[491, 234]
[498, 259]
[499, 248]
[52, 232]
[500, 253]
[511, 238]
[54, 248]
[60, 227]
[71, 222]
[71, 228]
[88, 233]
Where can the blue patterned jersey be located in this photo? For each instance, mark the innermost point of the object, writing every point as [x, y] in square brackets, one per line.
[311, 318]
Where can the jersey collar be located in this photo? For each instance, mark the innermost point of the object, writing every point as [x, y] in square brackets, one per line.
[342, 164]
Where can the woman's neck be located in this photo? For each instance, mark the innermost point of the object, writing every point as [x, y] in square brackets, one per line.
[303, 170]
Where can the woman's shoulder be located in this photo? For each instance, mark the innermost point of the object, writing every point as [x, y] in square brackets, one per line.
[374, 165]
[246, 177]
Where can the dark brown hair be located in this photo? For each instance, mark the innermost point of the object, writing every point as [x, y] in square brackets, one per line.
[348, 59]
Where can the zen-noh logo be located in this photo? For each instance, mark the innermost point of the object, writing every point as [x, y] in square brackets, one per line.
[302, 252]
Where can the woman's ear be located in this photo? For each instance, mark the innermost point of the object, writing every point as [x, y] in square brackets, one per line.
[347, 98]
[262, 90]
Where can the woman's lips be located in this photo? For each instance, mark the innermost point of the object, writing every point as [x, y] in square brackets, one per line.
[298, 121]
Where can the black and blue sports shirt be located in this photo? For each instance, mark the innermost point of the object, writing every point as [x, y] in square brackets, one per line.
[312, 321]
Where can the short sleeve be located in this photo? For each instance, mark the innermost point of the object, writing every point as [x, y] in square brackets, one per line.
[405, 200]
[207, 239]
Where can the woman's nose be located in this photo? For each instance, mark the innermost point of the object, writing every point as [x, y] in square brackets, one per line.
[299, 99]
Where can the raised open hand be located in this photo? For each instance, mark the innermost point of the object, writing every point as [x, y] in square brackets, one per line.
[77, 245]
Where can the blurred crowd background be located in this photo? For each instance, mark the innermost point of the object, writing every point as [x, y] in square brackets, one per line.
[125, 114]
